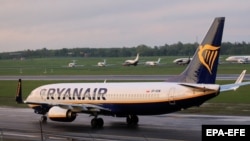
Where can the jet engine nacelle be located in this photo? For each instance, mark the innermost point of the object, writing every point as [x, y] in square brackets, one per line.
[59, 114]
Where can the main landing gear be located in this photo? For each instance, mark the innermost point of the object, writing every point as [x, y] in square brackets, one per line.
[132, 120]
[97, 122]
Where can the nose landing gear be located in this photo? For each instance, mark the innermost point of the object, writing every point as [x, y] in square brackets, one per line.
[43, 118]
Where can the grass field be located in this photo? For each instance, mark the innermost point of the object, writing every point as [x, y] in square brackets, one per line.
[56, 66]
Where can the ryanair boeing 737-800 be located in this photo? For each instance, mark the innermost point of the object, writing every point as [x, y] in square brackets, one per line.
[195, 85]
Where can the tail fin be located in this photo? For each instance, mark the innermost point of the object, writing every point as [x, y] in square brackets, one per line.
[204, 63]
[19, 98]
[158, 61]
[137, 57]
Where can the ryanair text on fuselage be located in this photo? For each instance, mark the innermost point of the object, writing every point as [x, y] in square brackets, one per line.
[74, 93]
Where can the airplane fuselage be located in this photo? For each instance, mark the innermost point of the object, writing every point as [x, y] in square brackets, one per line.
[182, 61]
[101, 64]
[130, 63]
[126, 98]
[153, 63]
[238, 59]
[72, 65]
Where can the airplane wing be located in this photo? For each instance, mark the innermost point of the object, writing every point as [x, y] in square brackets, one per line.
[83, 107]
[236, 85]
[74, 107]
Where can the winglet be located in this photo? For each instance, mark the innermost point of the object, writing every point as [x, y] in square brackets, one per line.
[239, 79]
[19, 98]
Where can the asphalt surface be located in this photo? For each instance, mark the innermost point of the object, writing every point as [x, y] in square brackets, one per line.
[24, 124]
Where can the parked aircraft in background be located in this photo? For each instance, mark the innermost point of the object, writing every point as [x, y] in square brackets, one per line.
[73, 64]
[194, 86]
[132, 62]
[153, 63]
[182, 61]
[103, 64]
[242, 59]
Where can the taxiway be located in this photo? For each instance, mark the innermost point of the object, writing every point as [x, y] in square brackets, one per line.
[22, 123]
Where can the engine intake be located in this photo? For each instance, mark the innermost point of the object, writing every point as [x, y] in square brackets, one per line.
[59, 114]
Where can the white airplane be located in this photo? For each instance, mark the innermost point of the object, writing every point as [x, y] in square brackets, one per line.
[102, 64]
[182, 61]
[132, 62]
[64, 101]
[153, 63]
[242, 59]
[73, 64]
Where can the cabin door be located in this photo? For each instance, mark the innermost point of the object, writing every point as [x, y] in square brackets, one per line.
[171, 98]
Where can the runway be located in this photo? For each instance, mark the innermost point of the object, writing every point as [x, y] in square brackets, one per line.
[24, 124]
[109, 77]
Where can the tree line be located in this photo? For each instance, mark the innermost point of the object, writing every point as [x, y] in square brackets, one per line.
[177, 49]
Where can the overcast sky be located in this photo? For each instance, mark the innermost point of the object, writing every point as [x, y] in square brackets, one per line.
[56, 24]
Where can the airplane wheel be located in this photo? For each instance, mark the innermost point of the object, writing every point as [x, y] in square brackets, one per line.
[94, 123]
[100, 122]
[43, 119]
[97, 123]
[132, 120]
[135, 119]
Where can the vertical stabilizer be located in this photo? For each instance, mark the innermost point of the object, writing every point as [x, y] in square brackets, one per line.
[158, 61]
[137, 57]
[204, 63]
[19, 98]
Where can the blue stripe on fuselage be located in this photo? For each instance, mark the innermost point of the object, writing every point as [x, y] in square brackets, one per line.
[155, 108]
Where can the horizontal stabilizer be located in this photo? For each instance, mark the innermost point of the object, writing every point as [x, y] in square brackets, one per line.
[199, 86]
[229, 87]
[236, 85]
